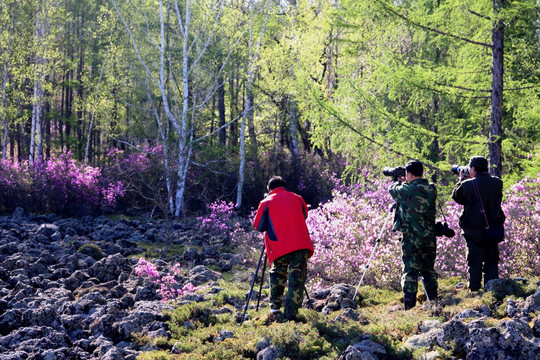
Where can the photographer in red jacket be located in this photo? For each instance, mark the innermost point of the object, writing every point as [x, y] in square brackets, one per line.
[282, 215]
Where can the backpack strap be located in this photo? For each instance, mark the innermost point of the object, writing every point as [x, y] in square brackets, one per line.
[475, 185]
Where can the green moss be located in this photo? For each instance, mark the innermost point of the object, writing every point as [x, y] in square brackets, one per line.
[153, 250]
[195, 330]
[91, 250]
[156, 355]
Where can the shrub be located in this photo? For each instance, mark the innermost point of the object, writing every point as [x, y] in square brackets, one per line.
[91, 250]
[59, 184]
[142, 174]
[169, 284]
[344, 231]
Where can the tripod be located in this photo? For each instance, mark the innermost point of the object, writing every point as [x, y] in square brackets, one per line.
[260, 288]
[391, 212]
[252, 284]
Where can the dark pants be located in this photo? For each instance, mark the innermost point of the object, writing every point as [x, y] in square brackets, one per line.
[482, 259]
[293, 265]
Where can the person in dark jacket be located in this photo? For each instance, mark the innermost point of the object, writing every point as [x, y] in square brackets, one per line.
[282, 215]
[415, 218]
[482, 255]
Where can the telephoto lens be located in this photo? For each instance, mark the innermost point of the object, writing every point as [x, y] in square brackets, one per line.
[394, 172]
[456, 169]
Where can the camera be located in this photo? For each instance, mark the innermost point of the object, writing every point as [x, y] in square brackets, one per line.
[456, 169]
[443, 229]
[394, 172]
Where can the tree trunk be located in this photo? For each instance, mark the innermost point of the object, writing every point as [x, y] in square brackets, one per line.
[68, 113]
[495, 129]
[293, 134]
[47, 139]
[36, 135]
[251, 124]
[241, 169]
[91, 125]
[4, 88]
[221, 112]
[4, 121]
[80, 89]
[233, 91]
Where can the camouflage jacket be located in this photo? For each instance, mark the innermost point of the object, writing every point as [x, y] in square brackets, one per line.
[416, 209]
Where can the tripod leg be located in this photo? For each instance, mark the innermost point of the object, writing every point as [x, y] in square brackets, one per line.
[262, 282]
[425, 290]
[252, 284]
[310, 303]
[392, 207]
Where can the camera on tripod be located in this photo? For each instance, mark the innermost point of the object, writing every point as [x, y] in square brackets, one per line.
[395, 173]
[457, 169]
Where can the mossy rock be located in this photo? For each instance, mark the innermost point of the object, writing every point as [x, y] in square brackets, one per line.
[502, 288]
[91, 250]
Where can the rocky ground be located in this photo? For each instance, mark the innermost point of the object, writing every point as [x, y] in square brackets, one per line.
[63, 299]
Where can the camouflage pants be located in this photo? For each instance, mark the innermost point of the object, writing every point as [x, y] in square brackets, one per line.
[293, 265]
[419, 255]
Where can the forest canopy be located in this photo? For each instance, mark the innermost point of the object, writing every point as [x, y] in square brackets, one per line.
[186, 102]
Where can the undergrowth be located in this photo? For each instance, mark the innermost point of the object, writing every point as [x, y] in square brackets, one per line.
[209, 330]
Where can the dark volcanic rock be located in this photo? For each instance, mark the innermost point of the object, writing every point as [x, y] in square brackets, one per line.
[57, 302]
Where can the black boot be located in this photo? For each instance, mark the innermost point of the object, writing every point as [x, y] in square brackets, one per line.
[409, 300]
[432, 294]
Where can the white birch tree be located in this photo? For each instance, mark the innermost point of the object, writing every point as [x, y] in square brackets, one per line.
[40, 63]
[6, 35]
[173, 70]
[251, 69]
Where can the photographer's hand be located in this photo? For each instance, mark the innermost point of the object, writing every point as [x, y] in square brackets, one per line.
[464, 175]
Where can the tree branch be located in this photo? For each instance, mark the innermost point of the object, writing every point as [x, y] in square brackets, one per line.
[479, 15]
[432, 29]
[523, 88]
[462, 87]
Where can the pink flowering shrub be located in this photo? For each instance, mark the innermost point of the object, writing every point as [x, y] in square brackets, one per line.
[223, 219]
[168, 285]
[344, 231]
[520, 251]
[59, 184]
[143, 176]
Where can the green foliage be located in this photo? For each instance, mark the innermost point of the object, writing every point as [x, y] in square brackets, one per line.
[196, 330]
[153, 250]
[516, 288]
[92, 250]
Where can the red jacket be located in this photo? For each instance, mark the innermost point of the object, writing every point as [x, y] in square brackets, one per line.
[282, 214]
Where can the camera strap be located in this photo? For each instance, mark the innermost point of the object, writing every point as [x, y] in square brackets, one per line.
[475, 185]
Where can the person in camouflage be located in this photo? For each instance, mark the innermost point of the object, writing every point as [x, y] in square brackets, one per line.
[415, 218]
[282, 216]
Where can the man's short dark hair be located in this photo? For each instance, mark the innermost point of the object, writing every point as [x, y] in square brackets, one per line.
[415, 167]
[275, 182]
[479, 163]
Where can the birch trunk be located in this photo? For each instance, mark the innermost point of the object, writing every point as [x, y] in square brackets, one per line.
[4, 87]
[177, 103]
[36, 135]
[253, 55]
